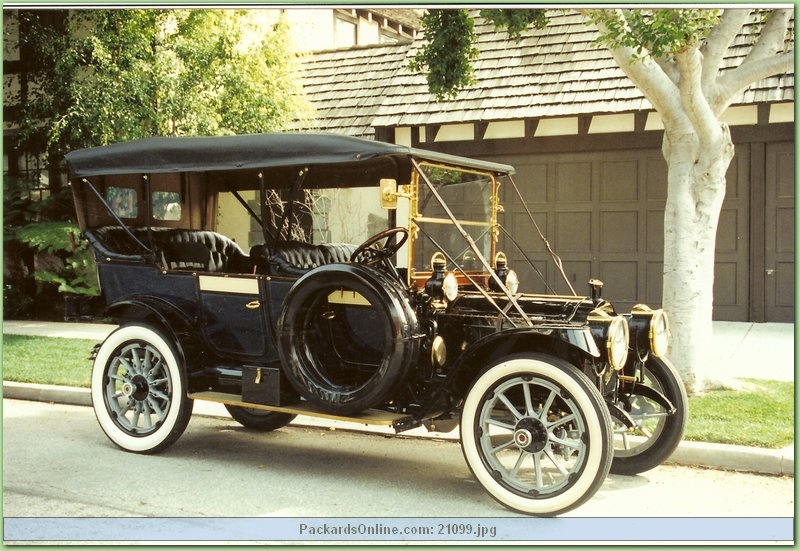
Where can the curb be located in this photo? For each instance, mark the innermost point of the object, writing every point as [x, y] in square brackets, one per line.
[47, 393]
[735, 458]
[699, 454]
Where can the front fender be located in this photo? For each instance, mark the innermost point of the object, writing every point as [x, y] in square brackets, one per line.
[573, 344]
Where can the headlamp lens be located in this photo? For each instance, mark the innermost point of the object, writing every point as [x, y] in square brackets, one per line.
[450, 287]
[659, 333]
[512, 282]
[618, 342]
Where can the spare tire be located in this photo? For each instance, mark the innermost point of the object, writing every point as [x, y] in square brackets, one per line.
[347, 337]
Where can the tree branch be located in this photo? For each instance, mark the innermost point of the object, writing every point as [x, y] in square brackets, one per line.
[656, 85]
[772, 37]
[694, 101]
[719, 40]
[669, 68]
[761, 62]
[735, 81]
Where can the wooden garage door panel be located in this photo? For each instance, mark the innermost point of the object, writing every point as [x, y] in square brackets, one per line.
[573, 231]
[619, 231]
[654, 273]
[784, 238]
[727, 238]
[578, 272]
[726, 282]
[619, 181]
[784, 283]
[573, 182]
[620, 283]
[524, 233]
[779, 280]
[595, 219]
[731, 274]
[603, 213]
[533, 182]
[655, 231]
[531, 282]
[656, 177]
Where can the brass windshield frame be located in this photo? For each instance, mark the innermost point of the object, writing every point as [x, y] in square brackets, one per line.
[416, 216]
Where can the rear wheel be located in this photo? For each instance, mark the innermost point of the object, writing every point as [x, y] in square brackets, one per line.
[536, 434]
[259, 419]
[139, 390]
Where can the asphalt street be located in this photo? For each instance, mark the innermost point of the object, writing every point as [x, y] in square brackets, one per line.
[59, 466]
[57, 462]
[758, 350]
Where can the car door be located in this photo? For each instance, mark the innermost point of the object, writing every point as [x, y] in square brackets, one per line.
[235, 311]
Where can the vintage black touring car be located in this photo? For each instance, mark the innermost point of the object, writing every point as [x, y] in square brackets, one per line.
[234, 270]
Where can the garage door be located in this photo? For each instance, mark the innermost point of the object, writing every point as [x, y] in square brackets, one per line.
[603, 214]
[779, 280]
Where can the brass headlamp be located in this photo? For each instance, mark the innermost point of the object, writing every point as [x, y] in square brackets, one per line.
[649, 331]
[612, 331]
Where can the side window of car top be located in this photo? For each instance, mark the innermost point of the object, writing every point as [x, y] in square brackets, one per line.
[123, 201]
[166, 205]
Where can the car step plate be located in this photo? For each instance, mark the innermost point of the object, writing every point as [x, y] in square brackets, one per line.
[368, 417]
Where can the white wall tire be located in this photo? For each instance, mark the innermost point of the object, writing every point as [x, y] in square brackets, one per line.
[553, 452]
[139, 390]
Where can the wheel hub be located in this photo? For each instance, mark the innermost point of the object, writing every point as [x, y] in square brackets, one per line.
[137, 388]
[530, 435]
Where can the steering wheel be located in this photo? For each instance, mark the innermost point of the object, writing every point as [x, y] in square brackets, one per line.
[370, 255]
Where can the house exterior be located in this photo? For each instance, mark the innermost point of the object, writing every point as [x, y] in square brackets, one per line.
[585, 142]
[587, 148]
[313, 29]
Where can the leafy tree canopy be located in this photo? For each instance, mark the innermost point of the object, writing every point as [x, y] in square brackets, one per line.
[447, 55]
[115, 75]
[94, 77]
[658, 33]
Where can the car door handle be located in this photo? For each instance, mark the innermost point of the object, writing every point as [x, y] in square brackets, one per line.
[252, 305]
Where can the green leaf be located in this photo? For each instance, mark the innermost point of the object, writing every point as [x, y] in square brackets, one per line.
[447, 55]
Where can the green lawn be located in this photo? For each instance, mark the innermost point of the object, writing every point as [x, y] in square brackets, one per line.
[762, 415]
[46, 360]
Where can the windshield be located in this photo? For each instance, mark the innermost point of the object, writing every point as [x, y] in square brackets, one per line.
[469, 197]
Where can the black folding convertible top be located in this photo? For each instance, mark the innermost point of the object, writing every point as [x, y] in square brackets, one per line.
[347, 160]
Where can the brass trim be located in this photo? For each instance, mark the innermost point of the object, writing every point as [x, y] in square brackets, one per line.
[222, 284]
[447, 221]
[351, 298]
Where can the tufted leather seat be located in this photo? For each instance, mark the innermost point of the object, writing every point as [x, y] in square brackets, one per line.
[177, 248]
[297, 258]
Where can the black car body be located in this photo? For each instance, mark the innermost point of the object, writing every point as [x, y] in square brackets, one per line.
[421, 324]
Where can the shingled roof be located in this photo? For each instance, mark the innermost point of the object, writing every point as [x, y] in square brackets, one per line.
[556, 71]
[348, 87]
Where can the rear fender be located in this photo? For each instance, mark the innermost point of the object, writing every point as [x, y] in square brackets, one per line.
[178, 326]
[573, 344]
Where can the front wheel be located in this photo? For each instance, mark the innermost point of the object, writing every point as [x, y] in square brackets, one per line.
[259, 419]
[139, 390]
[536, 434]
[658, 431]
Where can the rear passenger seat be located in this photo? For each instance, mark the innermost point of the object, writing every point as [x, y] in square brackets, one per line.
[175, 248]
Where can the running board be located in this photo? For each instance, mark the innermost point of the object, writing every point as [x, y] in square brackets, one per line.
[368, 417]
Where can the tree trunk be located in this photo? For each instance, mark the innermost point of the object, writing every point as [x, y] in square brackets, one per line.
[694, 201]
